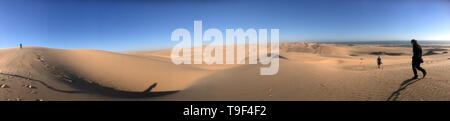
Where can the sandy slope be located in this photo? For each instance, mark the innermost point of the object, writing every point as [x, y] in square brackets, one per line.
[310, 72]
[328, 72]
[86, 72]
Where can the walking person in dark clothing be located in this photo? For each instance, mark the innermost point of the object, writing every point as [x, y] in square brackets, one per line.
[379, 62]
[417, 59]
[20, 45]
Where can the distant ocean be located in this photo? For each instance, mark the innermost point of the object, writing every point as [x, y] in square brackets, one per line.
[391, 43]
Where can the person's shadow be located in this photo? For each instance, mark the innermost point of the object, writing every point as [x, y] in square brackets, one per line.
[403, 86]
[84, 86]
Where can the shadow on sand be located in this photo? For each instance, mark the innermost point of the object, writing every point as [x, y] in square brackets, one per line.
[43, 83]
[93, 88]
[403, 86]
[386, 53]
[106, 91]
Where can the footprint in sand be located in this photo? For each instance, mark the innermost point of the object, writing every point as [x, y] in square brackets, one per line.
[4, 86]
[30, 86]
[269, 92]
[33, 92]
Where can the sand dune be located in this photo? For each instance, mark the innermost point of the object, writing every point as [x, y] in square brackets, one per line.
[308, 71]
[93, 70]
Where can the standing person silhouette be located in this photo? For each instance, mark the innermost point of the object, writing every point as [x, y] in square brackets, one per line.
[417, 59]
[20, 45]
[379, 62]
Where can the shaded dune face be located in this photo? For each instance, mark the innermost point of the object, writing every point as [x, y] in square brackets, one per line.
[125, 72]
[322, 49]
[94, 71]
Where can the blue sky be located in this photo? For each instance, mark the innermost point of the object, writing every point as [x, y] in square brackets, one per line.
[115, 25]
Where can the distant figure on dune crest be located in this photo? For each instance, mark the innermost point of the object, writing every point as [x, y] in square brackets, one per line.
[417, 59]
[20, 45]
[379, 62]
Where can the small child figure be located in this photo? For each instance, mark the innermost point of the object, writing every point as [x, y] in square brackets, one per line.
[379, 62]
